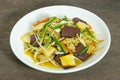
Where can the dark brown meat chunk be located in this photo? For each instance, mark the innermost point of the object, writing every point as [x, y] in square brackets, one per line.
[78, 48]
[57, 58]
[33, 41]
[75, 20]
[84, 57]
[69, 31]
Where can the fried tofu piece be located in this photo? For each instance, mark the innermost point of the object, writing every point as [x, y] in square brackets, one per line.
[26, 38]
[67, 61]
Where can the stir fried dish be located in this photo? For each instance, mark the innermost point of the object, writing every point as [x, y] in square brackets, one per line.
[60, 42]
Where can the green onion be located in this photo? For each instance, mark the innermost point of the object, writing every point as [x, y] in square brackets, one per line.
[45, 28]
[59, 26]
[90, 37]
[59, 44]
[89, 32]
[65, 18]
[48, 40]
[84, 50]
[32, 47]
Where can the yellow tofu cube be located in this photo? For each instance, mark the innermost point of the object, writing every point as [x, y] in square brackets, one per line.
[30, 54]
[68, 60]
[26, 38]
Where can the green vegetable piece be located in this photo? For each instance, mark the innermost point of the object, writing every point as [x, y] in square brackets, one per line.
[90, 37]
[89, 32]
[32, 47]
[65, 18]
[45, 28]
[48, 41]
[83, 51]
[94, 39]
[59, 44]
[59, 26]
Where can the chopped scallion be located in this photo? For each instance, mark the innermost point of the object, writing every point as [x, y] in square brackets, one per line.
[45, 28]
[48, 40]
[59, 26]
[89, 32]
[92, 38]
[65, 18]
[84, 50]
[32, 47]
[59, 44]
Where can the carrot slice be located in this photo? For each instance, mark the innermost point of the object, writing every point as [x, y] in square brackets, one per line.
[89, 26]
[91, 47]
[41, 21]
[66, 47]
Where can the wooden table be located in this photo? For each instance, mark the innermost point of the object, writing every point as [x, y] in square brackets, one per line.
[12, 69]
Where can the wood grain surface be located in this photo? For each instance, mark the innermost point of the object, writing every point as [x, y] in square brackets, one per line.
[12, 69]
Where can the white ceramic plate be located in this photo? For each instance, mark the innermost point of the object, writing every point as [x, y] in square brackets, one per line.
[25, 25]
